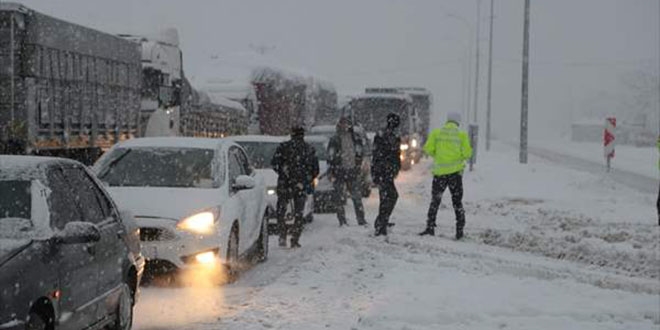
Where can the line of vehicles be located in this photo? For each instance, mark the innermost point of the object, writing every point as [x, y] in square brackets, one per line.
[181, 177]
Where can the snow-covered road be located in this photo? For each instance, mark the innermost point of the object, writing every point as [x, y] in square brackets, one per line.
[546, 248]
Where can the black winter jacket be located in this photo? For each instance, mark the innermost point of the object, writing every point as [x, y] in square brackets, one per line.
[296, 165]
[386, 161]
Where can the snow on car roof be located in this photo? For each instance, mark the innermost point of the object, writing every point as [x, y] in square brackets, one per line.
[258, 138]
[27, 167]
[174, 142]
[404, 97]
[316, 138]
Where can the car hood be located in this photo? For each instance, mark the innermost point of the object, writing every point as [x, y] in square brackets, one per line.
[11, 247]
[269, 175]
[167, 203]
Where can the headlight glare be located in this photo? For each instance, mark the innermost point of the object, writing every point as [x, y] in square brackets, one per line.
[413, 143]
[200, 223]
[404, 146]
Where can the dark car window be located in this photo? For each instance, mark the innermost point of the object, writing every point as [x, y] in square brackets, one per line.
[234, 168]
[85, 194]
[15, 199]
[261, 153]
[243, 161]
[63, 208]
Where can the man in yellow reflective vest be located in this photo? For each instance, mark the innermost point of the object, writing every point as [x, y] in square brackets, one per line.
[450, 148]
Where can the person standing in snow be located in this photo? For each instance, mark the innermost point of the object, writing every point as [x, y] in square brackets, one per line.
[657, 204]
[345, 153]
[449, 147]
[296, 165]
[384, 168]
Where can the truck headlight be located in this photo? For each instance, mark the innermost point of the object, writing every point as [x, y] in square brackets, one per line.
[404, 146]
[200, 223]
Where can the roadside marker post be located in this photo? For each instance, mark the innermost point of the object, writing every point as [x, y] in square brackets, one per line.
[609, 138]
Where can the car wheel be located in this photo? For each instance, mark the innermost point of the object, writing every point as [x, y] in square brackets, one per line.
[232, 256]
[124, 320]
[262, 252]
[36, 321]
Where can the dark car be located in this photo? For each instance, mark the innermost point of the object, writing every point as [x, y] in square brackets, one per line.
[68, 258]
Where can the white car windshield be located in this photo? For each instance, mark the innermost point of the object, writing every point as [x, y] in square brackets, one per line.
[15, 208]
[158, 167]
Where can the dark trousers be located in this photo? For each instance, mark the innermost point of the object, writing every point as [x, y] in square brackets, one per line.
[349, 179]
[388, 196]
[296, 203]
[440, 183]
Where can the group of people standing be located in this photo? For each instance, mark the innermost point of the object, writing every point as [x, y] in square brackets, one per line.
[297, 166]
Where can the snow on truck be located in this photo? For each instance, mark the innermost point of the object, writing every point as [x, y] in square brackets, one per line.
[71, 91]
[274, 97]
[65, 89]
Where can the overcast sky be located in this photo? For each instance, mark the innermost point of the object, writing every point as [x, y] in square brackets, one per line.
[579, 48]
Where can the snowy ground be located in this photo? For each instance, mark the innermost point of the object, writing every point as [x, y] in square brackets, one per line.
[546, 248]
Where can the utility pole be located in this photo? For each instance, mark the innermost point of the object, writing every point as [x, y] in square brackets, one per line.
[525, 81]
[490, 76]
[475, 103]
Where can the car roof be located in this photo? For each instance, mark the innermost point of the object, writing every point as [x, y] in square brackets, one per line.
[259, 138]
[175, 142]
[316, 138]
[28, 167]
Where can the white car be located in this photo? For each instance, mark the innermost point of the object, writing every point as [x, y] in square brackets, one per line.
[197, 201]
[260, 149]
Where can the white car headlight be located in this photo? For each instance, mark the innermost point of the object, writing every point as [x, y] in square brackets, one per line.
[413, 143]
[270, 191]
[404, 146]
[200, 223]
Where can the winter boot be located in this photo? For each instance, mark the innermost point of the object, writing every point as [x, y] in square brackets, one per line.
[382, 231]
[459, 233]
[429, 231]
[294, 243]
[282, 241]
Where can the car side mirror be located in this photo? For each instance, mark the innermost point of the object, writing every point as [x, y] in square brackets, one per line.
[244, 182]
[77, 232]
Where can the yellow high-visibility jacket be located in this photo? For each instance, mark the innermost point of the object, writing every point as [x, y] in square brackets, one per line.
[450, 148]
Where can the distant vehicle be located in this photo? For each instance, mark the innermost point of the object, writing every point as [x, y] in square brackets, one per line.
[370, 111]
[198, 202]
[260, 149]
[323, 188]
[365, 169]
[72, 91]
[422, 102]
[275, 98]
[68, 258]
[67, 90]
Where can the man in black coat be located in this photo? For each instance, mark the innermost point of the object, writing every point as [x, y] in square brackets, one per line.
[385, 167]
[296, 165]
[345, 153]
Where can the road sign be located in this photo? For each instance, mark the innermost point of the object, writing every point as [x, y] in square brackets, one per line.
[609, 138]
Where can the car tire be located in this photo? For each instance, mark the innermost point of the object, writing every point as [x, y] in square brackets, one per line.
[231, 266]
[124, 314]
[36, 321]
[262, 251]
